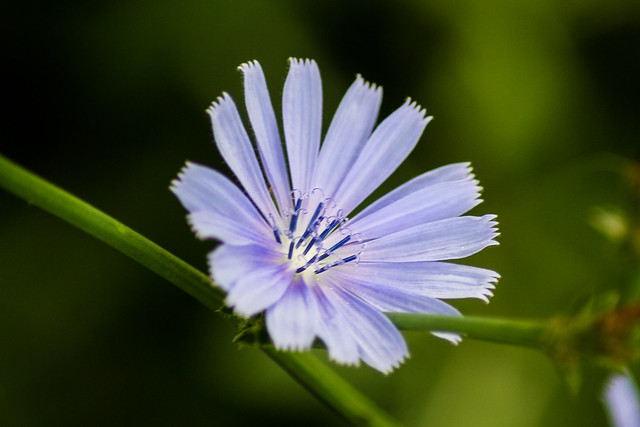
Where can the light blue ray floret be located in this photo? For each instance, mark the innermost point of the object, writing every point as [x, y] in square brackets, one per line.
[288, 247]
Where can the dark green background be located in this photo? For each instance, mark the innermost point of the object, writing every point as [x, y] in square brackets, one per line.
[107, 100]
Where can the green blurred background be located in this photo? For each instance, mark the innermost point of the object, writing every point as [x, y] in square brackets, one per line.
[107, 100]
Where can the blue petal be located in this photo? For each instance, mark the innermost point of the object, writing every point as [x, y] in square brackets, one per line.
[218, 208]
[380, 344]
[452, 172]
[451, 238]
[331, 330]
[431, 278]
[389, 145]
[235, 147]
[292, 321]
[256, 290]
[431, 203]
[622, 401]
[389, 298]
[302, 119]
[263, 122]
[349, 130]
[395, 299]
[229, 263]
[208, 225]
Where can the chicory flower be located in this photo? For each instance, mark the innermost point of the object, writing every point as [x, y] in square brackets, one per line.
[289, 248]
[622, 400]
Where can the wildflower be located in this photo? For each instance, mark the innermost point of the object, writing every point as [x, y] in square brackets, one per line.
[621, 401]
[289, 249]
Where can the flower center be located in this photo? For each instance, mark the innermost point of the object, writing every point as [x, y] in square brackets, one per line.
[304, 240]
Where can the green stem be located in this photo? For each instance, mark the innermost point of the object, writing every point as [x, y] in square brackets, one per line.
[330, 388]
[306, 369]
[58, 202]
[506, 331]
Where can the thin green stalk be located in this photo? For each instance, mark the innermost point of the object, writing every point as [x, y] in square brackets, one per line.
[58, 202]
[330, 388]
[506, 331]
[305, 368]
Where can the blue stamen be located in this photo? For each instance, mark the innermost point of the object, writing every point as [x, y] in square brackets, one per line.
[307, 265]
[303, 238]
[321, 236]
[311, 225]
[334, 264]
[315, 216]
[294, 217]
[334, 247]
[349, 259]
[291, 249]
[329, 229]
[340, 243]
[310, 245]
[276, 234]
[310, 229]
